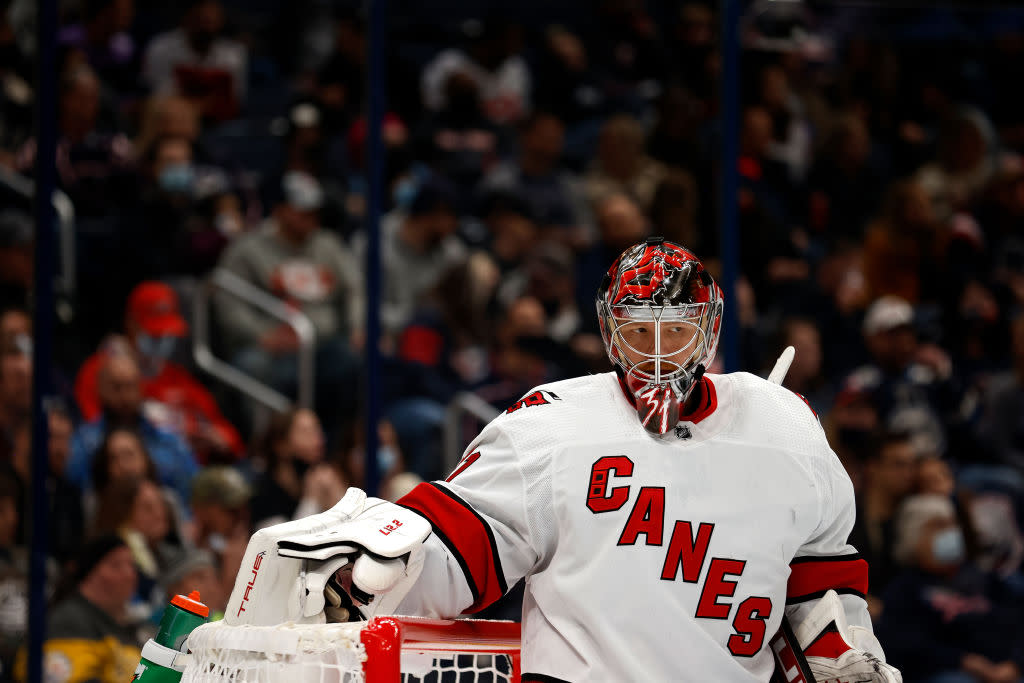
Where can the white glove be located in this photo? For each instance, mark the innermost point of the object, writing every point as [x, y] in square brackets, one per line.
[287, 567]
[839, 653]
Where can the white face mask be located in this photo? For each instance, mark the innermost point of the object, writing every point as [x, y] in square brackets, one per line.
[155, 348]
[948, 546]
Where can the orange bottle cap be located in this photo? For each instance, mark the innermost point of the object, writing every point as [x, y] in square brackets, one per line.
[191, 604]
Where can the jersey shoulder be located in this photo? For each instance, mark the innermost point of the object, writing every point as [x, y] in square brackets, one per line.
[773, 415]
[557, 412]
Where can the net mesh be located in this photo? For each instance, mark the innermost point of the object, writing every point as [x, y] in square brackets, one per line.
[326, 653]
[308, 653]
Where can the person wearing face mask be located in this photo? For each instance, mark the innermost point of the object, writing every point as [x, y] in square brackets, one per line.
[889, 474]
[298, 480]
[174, 399]
[946, 620]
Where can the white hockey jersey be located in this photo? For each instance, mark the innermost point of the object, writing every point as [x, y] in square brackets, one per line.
[646, 558]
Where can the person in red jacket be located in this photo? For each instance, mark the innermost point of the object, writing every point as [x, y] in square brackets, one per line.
[174, 399]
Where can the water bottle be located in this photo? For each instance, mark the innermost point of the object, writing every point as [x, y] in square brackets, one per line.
[162, 657]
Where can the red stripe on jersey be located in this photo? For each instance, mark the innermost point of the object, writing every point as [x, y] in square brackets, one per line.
[467, 536]
[830, 645]
[811, 577]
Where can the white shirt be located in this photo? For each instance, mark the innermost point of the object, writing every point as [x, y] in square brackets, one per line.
[646, 558]
[504, 92]
[172, 48]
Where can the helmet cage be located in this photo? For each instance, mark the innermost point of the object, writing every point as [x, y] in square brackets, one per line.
[684, 307]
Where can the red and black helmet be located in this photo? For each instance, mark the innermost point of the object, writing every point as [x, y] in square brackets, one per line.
[661, 314]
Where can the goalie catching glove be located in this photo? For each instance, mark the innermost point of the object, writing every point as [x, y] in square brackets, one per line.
[839, 653]
[355, 560]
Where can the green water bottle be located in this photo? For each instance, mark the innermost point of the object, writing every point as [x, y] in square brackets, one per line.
[162, 660]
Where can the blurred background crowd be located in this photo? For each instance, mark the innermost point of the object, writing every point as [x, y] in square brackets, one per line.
[881, 224]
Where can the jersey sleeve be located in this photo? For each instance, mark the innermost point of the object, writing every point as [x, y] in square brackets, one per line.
[826, 561]
[486, 534]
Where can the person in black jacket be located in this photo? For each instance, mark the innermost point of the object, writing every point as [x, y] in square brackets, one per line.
[945, 620]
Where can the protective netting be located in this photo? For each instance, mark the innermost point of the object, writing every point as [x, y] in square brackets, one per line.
[291, 653]
[431, 667]
[327, 653]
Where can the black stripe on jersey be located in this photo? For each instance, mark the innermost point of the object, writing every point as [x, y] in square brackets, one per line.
[454, 551]
[820, 594]
[502, 584]
[541, 678]
[826, 558]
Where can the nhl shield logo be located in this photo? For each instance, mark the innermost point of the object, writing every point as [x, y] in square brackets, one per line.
[683, 432]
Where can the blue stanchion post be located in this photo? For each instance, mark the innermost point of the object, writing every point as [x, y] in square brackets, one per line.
[45, 181]
[729, 180]
[376, 108]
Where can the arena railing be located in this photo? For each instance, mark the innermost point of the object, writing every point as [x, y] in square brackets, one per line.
[249, 294]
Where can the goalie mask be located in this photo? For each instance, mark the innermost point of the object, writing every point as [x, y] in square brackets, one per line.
[660, 314]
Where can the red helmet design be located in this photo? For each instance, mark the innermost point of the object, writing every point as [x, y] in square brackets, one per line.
[661, 314]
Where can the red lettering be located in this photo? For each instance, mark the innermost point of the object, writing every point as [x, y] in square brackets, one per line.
[466, 461]
[716, 586]
[749, 625]
[252, 582]
[684, 550]
[599, 498]
[647, 517]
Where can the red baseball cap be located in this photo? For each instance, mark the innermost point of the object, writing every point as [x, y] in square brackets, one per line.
[154, 306]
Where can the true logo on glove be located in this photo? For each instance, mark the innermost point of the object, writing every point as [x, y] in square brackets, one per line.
[252, 582]
[388, 528]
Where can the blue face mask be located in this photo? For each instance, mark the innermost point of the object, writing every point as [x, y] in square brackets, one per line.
[155, 348]
[387, 456]
[948, 546]
[177, 178]
[404, 192]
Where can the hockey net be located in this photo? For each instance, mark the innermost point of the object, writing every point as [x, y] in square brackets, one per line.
[385, 650]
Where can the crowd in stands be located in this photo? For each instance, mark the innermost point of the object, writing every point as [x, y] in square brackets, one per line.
[881, 233]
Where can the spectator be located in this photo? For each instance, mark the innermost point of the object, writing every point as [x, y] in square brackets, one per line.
[999, 431]
[136, 510]
[103, 35]
[567, 83]
[15, 393]
[15, 323]
[844, 183]
[966, 161]
[944, 619]
[95, 161]
[307, 267]
[174, 399]
[199, 62]
[491, 63]
[196, 570]
[911, 383]
[620, 222]
[622, 164]
[890, 473]
[120, 460]
[806, 374]
[903, 246]
[791, 131]
[554, 195]
[90, 634]
[297, 480]
[120, 392]
[14, 571]
[221, 523]
[458, 141]
[17, 239]
[168, 116]
[63, 497]
[628, 50]
[417, 246]
[393, 477]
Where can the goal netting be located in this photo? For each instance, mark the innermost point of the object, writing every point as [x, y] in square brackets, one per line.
[385, 650]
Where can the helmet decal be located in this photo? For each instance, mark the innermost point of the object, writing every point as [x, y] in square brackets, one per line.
[660, 314]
